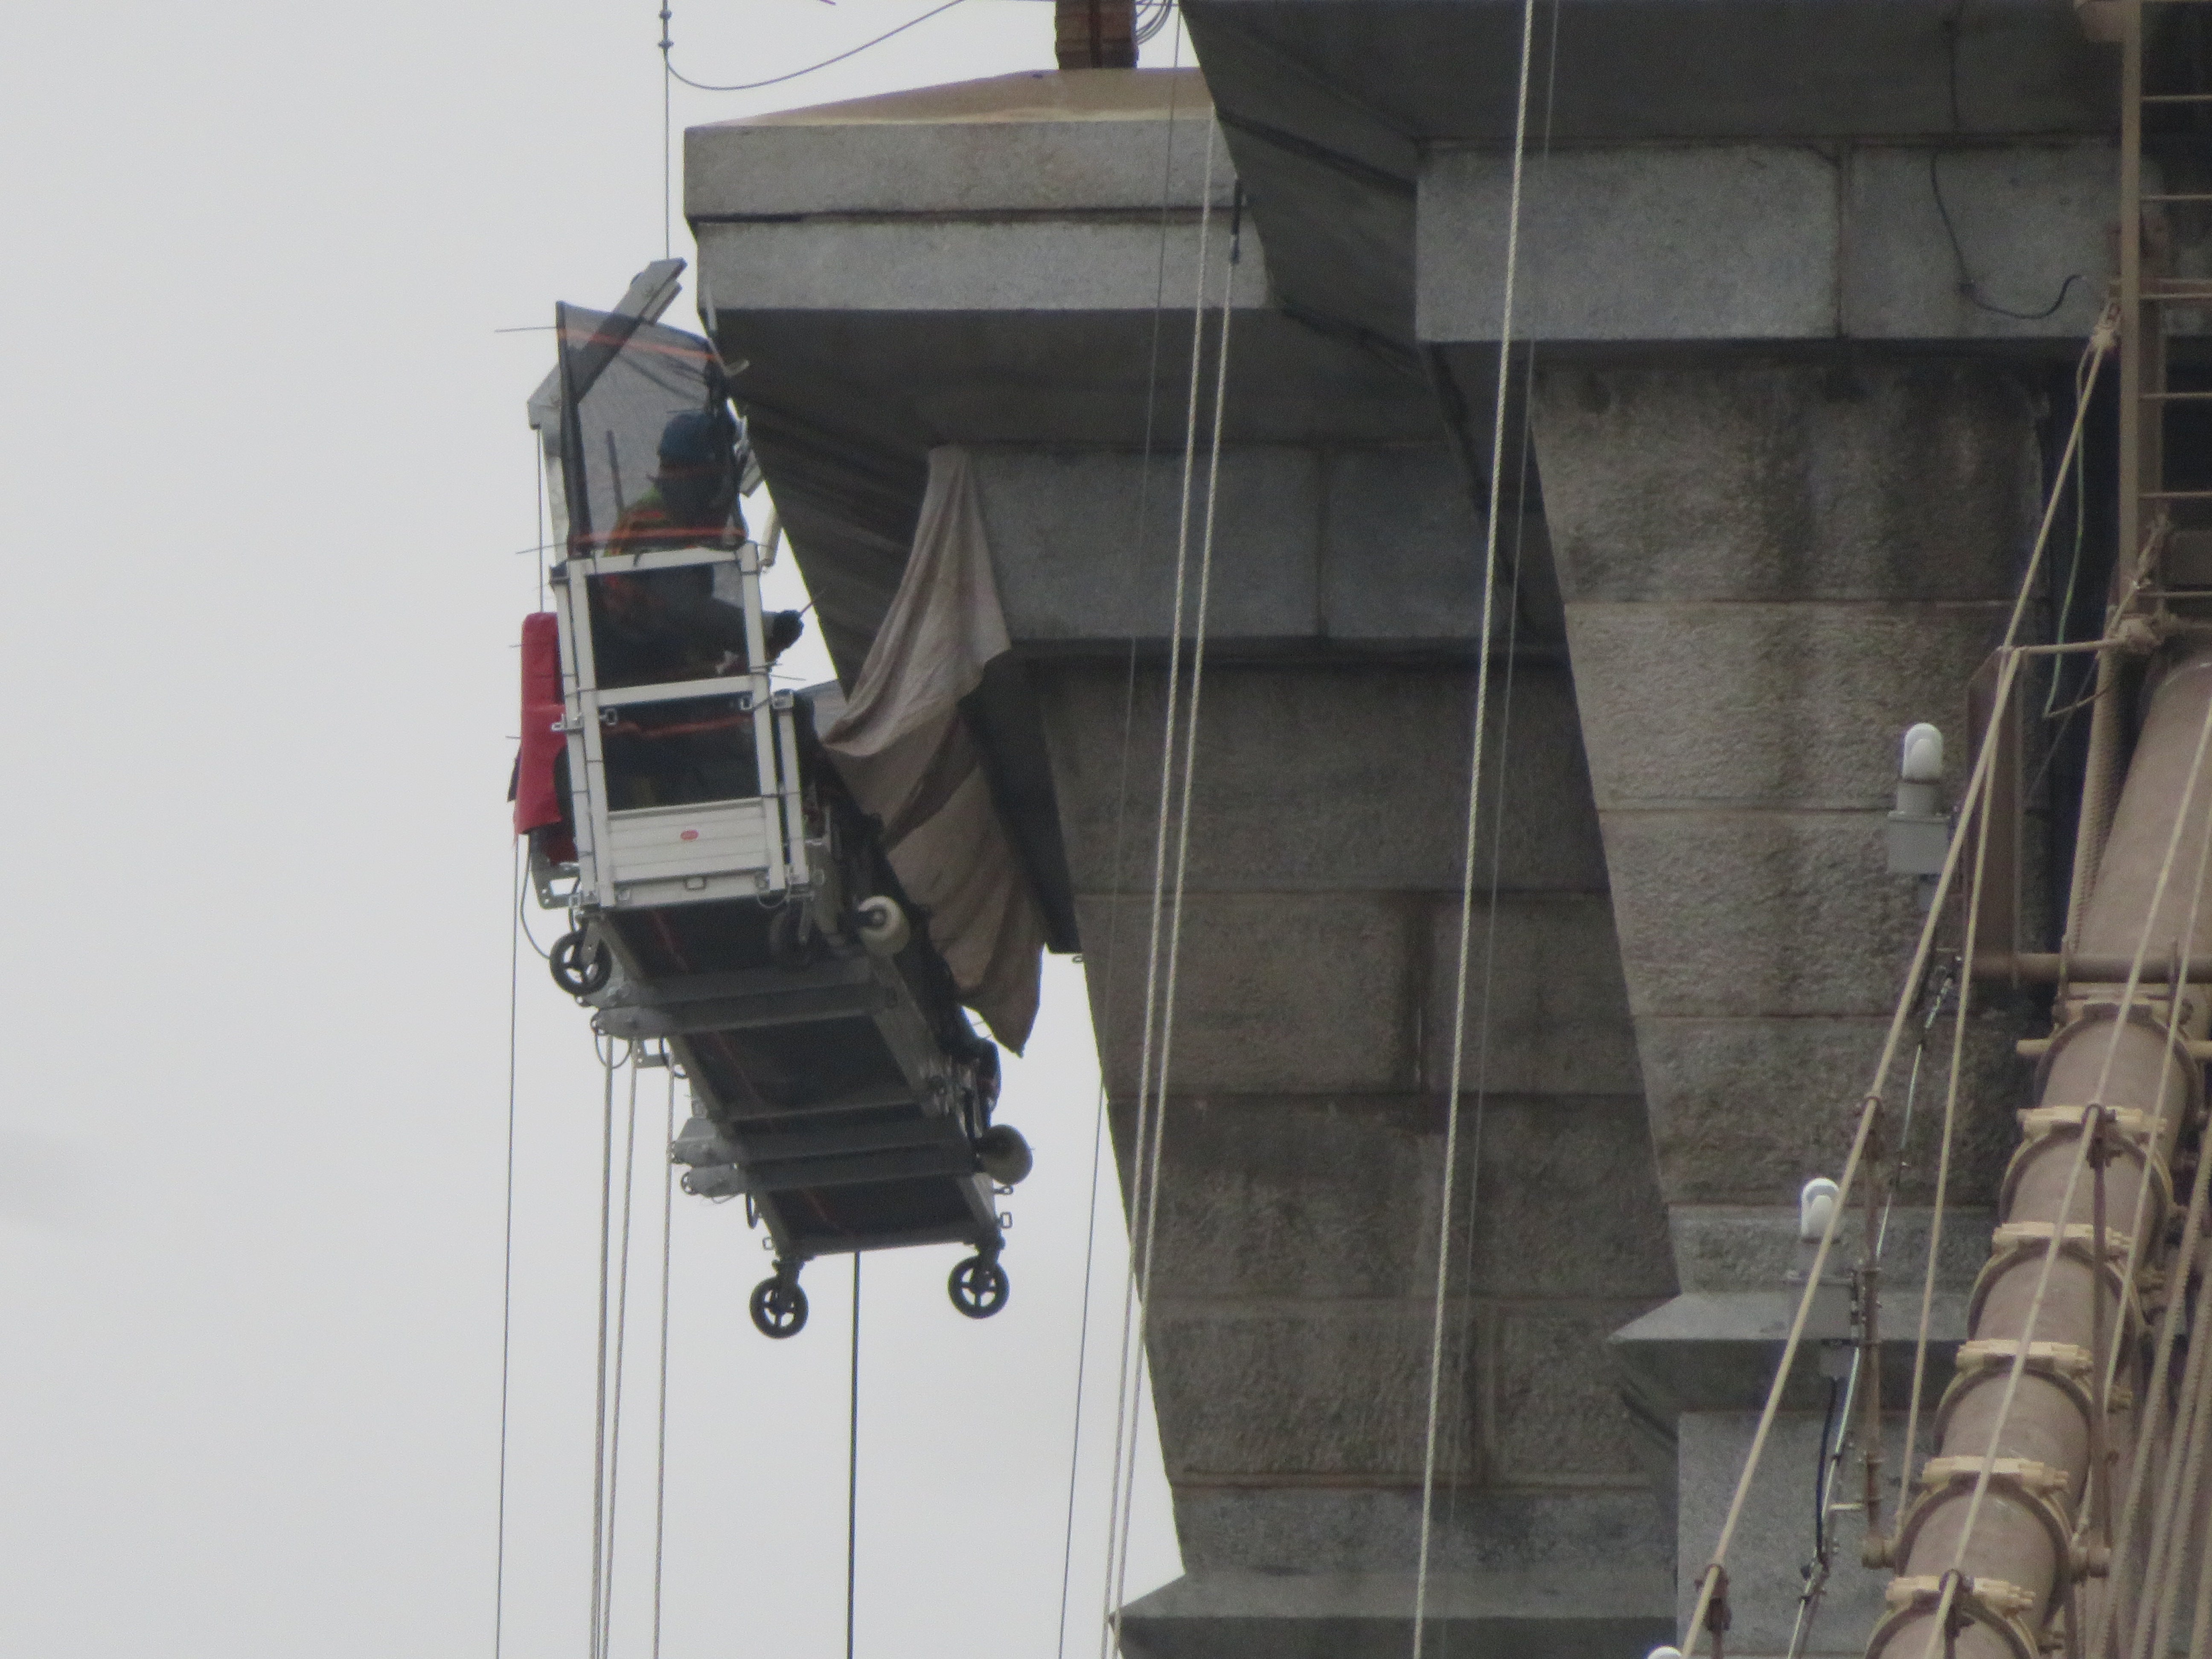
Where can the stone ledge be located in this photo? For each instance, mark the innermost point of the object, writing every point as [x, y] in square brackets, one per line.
[1532, 1614]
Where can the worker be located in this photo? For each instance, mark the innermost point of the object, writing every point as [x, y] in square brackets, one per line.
[659, 625]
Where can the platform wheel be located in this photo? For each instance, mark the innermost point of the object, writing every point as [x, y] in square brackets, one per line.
[779, 1307]
[978, 1287]
[579, 963]
[883, 929]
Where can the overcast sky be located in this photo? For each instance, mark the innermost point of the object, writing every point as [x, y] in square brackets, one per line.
[267, 472]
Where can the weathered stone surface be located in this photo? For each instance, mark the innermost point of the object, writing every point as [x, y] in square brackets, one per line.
[1556, 1415]
[1547, 1011]
[1276, 993]
[1302, 1196]
[1566, 1199]
[1761, 704]
[1086, 140]
[1075, 562]
[1309, 776]
[915, 264]
[1896, 481]
[1402, 550]
[1345, 1386]
[1733, 913]
[1774, 1540]
[1743, 1110]
[1377, 1529]
[1618, 243]
[1719, 1247]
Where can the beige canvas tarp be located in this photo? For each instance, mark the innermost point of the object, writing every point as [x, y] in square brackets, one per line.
[904, 750]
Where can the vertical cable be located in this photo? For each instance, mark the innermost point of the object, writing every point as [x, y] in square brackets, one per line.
[599, 1413]
[660, 1436]
[852, 1467]
[1474, 790]
[506, 1263]
[621, 1333]
[1124, 1413]
[667, 139]
[1098, 1133]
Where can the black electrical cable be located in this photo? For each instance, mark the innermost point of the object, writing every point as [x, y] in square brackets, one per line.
[1969, 289]
[778, 80]
[1820, 1476]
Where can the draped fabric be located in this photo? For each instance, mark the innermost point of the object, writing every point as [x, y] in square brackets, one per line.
[905, 752]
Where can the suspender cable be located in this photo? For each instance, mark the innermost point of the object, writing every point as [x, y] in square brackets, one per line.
[1124, 1427]
[600, 1413]
[2099, 347]
[1473, 798]
[1112, 956]
[1182, 853]
[852, 1467]
[621, 1331]
[661, 1413]
[506, 1262]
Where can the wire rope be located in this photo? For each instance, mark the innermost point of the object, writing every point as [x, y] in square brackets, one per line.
[607, 1064]
[1183, 845]
[1124, 1424]
[1138, 542]
[507, 1270]
[2101, 342]
[778, 80]
[661, 1412]
[1474, 791]
[621, 1332]
[852, 1470]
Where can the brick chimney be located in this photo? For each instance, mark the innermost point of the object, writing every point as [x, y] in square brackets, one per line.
[1094, 34]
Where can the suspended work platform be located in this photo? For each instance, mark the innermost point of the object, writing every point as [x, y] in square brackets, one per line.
[731, 900]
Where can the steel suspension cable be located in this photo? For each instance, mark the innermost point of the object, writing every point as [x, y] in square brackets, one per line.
[1183, 843]
[660, 1411]
[2101, 345]
[1112, 958]
[1124, 1427]
[621, 1331]
[1474, 799]
[507, 1265]
[599, 1413]
[853, 1469]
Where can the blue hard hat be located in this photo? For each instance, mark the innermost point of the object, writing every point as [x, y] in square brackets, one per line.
[697, 437]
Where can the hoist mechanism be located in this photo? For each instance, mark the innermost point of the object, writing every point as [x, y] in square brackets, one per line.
[727, 896]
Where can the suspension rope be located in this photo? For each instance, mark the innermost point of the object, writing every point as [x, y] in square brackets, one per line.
[1183, 844]
[853, 1468]
[621, 1331]
[1473, 797]
[1138, 542]
[1124, 1425]
[2101, 342]
[507, 1269]
[607, 1064]
[661, 1412]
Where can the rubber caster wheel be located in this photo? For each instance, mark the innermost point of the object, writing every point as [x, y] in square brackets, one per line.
[883, 929]
[579, 965]
[778, 1308]
[978, 1287]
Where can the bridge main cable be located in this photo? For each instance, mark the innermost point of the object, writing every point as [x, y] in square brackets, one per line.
[2019, 1424]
